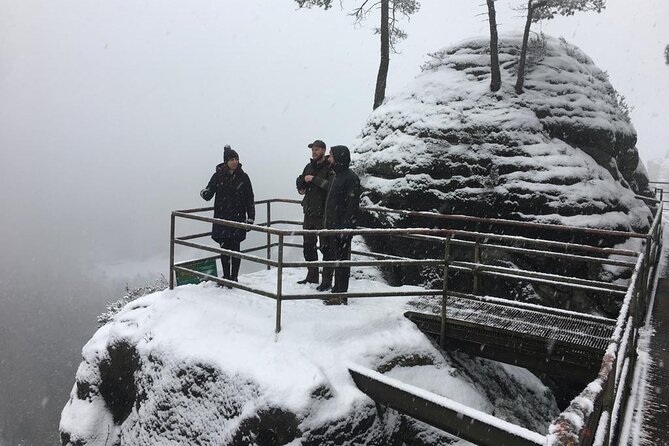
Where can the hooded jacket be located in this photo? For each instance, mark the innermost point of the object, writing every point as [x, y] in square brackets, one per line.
[343, 200]
[234, 201]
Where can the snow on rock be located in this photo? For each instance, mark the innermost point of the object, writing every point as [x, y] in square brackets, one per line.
[202, 365]
[562, 152]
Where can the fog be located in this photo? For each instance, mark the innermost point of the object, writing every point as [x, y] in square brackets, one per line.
[114, 113]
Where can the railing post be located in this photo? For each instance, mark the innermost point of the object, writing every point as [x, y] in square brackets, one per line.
[477, 261]
[609, 399]
[279, 281]
[646, 286]
[172, 225]
[637, 301]
[442, 334]
[269, 236]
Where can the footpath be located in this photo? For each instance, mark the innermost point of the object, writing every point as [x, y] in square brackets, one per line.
[655, 424]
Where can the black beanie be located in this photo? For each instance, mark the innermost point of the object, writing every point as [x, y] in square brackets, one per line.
[229, 154]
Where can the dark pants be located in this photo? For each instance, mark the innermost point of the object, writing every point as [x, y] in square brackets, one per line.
[309, 247]
[339, 248]
[232, 245]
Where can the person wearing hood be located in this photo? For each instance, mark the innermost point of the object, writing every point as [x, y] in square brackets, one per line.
[234, 201]
[313, 184]
[342, 206]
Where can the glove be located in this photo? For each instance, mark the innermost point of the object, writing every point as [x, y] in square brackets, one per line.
[249, 221]
[300, 183]
[206, 194]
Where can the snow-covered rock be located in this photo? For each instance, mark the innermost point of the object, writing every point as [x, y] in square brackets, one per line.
[201, 365]
[562, 152]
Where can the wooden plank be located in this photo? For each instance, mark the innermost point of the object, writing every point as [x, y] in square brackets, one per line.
[445, 414]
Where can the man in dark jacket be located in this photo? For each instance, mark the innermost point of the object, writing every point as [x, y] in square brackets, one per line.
[234, 201]
[313, 185]
[342, 206]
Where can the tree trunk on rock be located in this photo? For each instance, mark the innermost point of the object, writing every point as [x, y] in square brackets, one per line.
[523, 49]
[495, 77]
[380, 91]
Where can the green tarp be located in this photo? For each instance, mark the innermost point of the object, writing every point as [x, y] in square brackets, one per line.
[207, 266]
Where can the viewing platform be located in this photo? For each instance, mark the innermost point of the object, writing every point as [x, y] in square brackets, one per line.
[599, 352]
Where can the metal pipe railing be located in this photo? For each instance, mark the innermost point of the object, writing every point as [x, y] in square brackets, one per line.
[610, 391]
[506, 222]
[607, 393]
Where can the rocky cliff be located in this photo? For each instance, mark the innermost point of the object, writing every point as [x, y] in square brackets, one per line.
[562, 152]
[201, 365]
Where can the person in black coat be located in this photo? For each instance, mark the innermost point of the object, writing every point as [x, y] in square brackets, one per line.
[234, 201]
[313, 185]
[342, 206]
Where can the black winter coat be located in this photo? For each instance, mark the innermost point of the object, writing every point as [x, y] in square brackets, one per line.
[343, 200]
[313, 203]
[234, 201]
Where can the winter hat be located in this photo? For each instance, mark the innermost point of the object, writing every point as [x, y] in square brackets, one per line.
[229, 154]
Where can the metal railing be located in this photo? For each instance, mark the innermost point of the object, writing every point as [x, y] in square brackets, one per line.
[660, 188]
[607, 403]
[595, 416]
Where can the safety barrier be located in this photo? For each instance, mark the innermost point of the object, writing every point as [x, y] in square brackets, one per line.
[597, 409]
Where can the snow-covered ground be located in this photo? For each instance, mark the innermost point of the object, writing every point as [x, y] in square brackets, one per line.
[233, 331]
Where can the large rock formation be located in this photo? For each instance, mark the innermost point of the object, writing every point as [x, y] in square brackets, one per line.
[562, 152]
[201, 365]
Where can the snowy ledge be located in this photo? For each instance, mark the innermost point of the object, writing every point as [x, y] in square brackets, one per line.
[208, 358]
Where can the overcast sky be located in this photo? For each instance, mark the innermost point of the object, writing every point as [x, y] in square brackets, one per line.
[114, 113]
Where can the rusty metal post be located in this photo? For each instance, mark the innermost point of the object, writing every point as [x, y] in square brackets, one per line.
[172, 225]
[442, 334]
[269, 236]
[279, 282]
[477, 261]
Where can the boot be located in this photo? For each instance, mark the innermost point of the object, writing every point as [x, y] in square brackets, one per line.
[312, 276]
[323, 287]
[335, 301]
[236, 263]
[326, 284]
[225, 265]
[341, 279]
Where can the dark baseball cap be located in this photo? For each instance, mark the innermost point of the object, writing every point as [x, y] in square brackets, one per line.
[317, 143]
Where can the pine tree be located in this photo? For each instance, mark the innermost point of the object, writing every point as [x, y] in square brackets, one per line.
[388, 30]
[545, 10]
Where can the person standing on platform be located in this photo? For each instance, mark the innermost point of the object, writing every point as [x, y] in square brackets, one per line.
[342, 207]
[312, 184]
[234, 201]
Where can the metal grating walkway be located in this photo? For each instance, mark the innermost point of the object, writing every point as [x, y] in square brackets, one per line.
[562, 345]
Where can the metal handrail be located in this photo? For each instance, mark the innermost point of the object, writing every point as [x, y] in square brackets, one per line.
[607, 393]
[597, 408]
[463, 218]
[502, 221]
